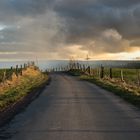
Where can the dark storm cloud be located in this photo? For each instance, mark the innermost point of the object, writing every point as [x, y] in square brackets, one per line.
[88, 18]
[25, 7]
[31, 7]
[120, 3]
[46, 25]
[12, 10]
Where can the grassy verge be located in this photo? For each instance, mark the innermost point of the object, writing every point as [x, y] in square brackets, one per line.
[14, 90]
[126, 94]
[130, 93]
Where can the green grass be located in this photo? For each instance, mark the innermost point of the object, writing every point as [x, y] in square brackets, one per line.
[9, 73]
[16, 92]
[123, 93]
[130, 77]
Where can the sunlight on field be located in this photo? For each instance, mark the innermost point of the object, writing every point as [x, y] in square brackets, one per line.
[19, 86]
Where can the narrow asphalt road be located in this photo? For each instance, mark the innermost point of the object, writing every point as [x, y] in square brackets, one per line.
[70, 109]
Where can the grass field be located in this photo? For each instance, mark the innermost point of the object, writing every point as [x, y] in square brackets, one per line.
[128, 89]
[13, 90]
[130, 76]
[131, 95]
[8, 73]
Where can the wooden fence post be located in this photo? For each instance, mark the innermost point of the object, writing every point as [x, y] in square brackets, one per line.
[110, 73]
[11, 73]
[102, 72]
[25, 66]
[17, 70]
[98, 72]
[122, 78]
[84, 68]
[138, 74]
[33, 63]
[89, 71]
[78, 67]
[29, 64]
[21, 70]
[93, 72]
[4, 76]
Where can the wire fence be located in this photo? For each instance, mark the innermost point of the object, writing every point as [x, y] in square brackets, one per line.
[6, 74]
[128, 75]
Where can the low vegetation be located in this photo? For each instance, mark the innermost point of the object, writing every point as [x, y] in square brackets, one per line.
[14, 89]
[125, 91]
[127, 88]
[130, 76]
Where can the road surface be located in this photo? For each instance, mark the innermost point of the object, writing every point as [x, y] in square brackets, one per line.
[70, 109]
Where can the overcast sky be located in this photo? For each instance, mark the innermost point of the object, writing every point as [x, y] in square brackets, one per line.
[61, 29]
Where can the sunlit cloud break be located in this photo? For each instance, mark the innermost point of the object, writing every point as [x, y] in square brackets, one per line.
[61, 29]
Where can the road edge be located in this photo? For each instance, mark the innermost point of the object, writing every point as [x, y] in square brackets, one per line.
[11, 111]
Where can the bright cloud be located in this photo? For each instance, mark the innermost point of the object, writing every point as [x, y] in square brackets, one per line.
[60, 29]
